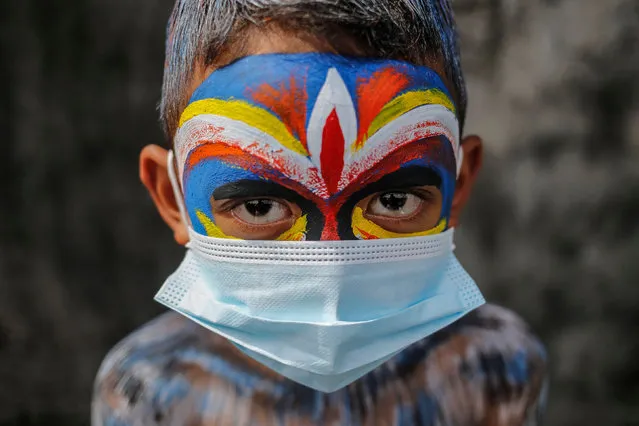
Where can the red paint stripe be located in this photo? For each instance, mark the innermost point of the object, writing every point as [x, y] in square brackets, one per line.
[366, 235]
[329, 232]
[332, 155]
[431, 148]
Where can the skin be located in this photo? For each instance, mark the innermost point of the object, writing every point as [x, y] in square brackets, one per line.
[421, 211]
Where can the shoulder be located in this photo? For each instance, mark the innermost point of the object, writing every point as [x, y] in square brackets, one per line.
[165, 373]
[487, 368]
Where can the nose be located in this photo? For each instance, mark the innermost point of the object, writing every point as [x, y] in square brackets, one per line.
[329, 233]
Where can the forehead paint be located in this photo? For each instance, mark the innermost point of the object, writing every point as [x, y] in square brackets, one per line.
[320, 124]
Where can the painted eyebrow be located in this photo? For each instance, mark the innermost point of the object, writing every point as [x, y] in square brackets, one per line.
[404, 178]
[401, 179]
[248, 188]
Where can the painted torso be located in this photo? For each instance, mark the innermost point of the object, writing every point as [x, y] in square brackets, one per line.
[485, 369]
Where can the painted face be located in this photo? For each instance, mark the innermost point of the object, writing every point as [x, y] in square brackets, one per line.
[317, 146]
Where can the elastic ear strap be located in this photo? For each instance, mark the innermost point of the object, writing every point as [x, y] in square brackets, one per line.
[460, 159]
[179, 199]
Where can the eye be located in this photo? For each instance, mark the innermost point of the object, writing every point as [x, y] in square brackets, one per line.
[261, 211]
[401, 211]
[396, 204]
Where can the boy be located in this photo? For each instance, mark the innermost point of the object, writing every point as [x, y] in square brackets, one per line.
[316, 173]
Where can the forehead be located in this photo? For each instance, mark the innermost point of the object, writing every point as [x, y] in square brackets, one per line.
[301, 76]
[316, 115]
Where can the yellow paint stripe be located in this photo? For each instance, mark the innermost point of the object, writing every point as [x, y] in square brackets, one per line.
[210, 227]
[362, 226]
[401, 105]
[297, 231]
[252, 115]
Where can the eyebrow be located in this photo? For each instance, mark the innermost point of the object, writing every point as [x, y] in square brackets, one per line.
[248, 188]
[400, 180]
[405, 178]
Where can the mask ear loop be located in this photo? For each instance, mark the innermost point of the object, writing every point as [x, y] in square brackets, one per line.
[460, 160]
[177, 192]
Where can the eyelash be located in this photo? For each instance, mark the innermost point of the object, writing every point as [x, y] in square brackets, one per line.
[422, 194]
[425, 197]
[229, 205]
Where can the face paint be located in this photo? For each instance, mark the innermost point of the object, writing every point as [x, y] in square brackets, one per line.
[323, 128]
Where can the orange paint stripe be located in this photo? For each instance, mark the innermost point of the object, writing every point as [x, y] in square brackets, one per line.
[373, 94]
[216, 149]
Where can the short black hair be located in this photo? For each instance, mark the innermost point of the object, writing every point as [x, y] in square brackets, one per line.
[418, 31]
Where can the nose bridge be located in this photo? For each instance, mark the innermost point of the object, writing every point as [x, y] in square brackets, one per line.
[329, 232]
[330, 219]
[324, 219]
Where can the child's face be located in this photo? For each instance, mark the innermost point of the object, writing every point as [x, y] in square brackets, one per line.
[315, 146]
[319, 147]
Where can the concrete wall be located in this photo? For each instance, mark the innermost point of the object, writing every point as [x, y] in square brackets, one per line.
[552, 230]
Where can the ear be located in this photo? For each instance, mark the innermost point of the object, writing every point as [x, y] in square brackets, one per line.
[473, 156]
[155, 177]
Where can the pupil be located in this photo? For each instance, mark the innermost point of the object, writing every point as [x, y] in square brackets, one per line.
[258, 207]
[394, 200]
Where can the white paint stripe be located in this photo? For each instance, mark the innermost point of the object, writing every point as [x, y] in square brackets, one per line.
[210, 128]
[401, 131]
[333, 95]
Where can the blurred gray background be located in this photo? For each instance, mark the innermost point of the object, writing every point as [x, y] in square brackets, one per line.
[552, 231]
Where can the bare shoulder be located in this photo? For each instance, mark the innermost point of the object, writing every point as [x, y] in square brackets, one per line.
[162, 374]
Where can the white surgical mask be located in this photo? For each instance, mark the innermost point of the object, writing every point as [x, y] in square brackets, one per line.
[322, 313]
